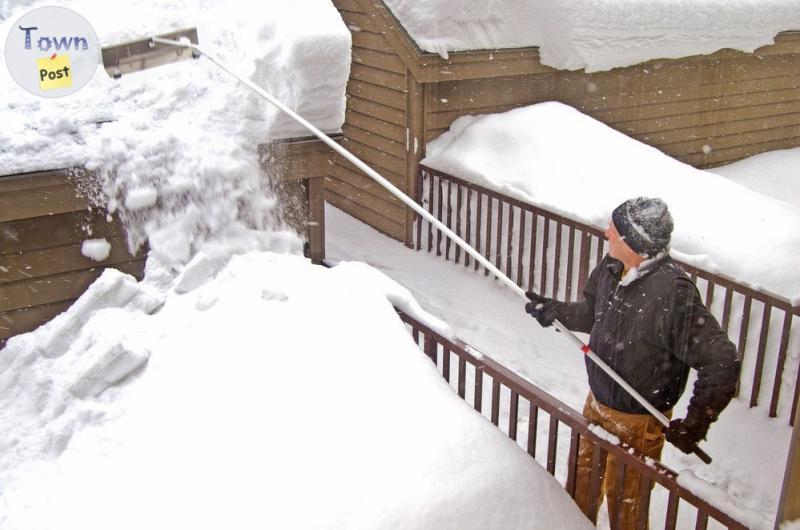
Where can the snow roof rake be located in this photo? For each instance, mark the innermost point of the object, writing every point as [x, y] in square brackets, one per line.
[171, 47]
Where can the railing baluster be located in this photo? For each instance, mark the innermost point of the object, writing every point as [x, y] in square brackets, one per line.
[498, 246]
[572, 463]
[521, 245]
[532, 264]
[743, 333]
[545, 255]
[709, 294]
[430, 348]
[478, 401]
[446, 364]
[513, 415]
[672, 511]
[449, 220]
[616, 495]
[599, 251]
[552, 445]
[439, 214]
[430, 210]
[570, 262]
[644, 503]
[762, 349]
[726, 310]
[479, 203]
[418, 198]
[599, 457]
[533, 425]
[468, 234]
[488, 248]
[583, 267]
[557, 262]
[702, 520]
[462, 377]
[495, 401]
[776, 385]
[510, 241]
[458, 220]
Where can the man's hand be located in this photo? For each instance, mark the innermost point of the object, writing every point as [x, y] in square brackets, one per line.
[686, 433]
[541, 308]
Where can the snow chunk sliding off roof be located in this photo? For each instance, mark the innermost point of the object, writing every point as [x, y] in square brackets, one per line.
[575, 34]
[274, 394]
[553, 156]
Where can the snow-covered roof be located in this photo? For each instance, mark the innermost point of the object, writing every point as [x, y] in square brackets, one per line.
[575, 34]
[555, 157]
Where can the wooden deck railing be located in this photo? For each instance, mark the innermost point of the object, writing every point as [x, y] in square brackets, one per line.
[535, 421]
[553, 255]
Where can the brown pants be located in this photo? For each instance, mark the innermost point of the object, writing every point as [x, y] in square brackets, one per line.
[641, 431]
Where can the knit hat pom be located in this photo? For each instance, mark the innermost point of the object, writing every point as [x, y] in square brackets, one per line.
[645, 224]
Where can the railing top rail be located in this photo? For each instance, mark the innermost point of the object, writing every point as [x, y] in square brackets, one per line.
[654, 470]
[774, 300]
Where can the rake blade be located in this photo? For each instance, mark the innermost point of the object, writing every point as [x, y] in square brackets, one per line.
[142, 54]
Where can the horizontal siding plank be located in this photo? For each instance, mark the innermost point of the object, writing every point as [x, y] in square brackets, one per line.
[28, 181]
[376, 59]
[27, 319]
[376, 110]
[345, 166]
[380, 204]
[371, 41]
[376, 126]
[378, 77]
[375, 157]
[43, 232]
[36, 202]
[383, 224]
[718, 157]
[739, 138]
[378, 94]
[375, 141]
[58, 259]
[359, 20]
[785, 122]
[442, 120]
[57, 287]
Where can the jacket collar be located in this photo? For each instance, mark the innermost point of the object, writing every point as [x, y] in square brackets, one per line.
[615, 268]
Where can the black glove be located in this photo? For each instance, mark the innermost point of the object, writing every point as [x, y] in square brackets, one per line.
[541, 308]
[686, 433]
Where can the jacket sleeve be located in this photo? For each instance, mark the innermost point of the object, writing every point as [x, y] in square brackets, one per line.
[698, 341]
[579, 316]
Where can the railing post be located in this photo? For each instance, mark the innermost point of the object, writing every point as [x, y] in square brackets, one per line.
[789, 504]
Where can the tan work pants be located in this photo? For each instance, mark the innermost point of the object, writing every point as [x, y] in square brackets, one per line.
[641, 431]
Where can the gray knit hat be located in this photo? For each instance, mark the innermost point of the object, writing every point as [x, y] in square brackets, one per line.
[645, 224]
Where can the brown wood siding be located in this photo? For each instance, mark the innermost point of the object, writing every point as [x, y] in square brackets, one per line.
[43, 221]
[375, 127]
[706, 111]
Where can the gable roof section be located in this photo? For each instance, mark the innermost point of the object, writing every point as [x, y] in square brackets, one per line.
[427, 67]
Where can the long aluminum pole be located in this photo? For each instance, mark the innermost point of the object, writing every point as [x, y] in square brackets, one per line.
[438, 224]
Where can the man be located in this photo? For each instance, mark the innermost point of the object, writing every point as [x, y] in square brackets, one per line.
[647, 321]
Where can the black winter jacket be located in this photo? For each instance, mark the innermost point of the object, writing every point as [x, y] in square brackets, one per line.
[651, 331]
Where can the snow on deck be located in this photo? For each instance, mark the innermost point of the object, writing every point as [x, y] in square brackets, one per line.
[575, 34]
[490, 317]
[552, 156]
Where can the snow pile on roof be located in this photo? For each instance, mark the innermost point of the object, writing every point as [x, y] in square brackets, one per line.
[174, 147]
[553, 156]
[257, 392]
[773, 174]
[575, 34]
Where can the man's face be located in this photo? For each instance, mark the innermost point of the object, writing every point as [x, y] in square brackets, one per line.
[617, 248]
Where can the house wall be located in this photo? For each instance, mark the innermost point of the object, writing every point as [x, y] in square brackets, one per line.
[375, 128]
[43, 221]
[703, 110]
